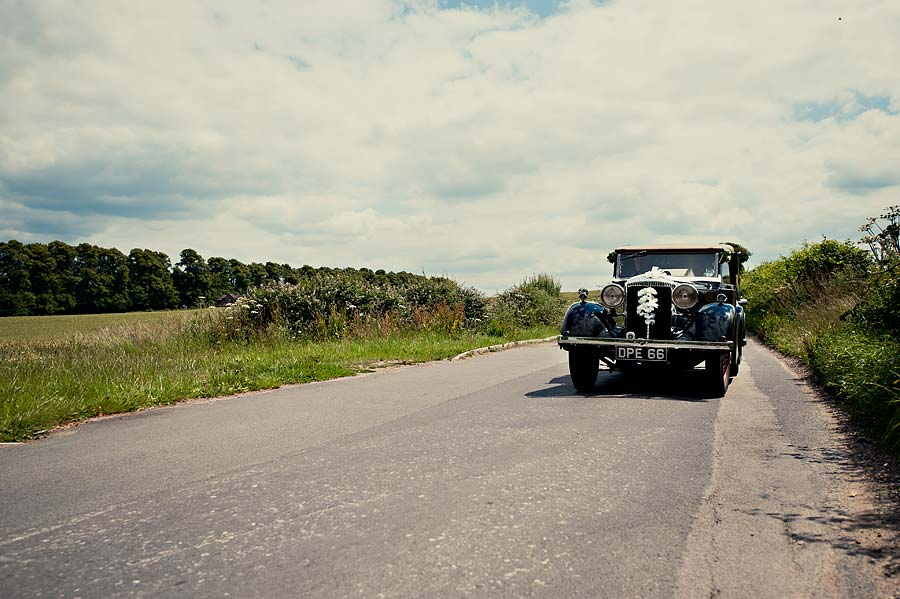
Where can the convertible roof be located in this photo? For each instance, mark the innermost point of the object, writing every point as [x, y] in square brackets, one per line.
[681, 247]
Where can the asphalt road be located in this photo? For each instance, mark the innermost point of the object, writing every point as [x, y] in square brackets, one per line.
[487, 477]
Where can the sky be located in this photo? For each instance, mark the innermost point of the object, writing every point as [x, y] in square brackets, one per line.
[481, 140]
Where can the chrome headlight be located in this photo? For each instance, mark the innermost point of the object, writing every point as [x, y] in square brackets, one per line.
[612, 296]
[685, 296]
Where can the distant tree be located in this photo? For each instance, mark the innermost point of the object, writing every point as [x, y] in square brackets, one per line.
[64, 256]
[102, 279]
[240, 275]
[46, 284]
[258, 274]
[16, 297]
[151, 286]
[191, 278]
[220, 278]
[280, 272]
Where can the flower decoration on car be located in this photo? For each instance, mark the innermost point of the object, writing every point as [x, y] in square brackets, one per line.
[647, 305]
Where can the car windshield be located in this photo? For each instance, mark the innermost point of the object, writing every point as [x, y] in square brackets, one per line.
[680, 264]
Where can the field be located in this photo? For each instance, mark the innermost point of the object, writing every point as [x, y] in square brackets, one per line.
[56, 328]
[59, 369]
[572, 296]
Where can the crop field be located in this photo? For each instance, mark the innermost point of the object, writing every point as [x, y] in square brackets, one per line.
[57, 328]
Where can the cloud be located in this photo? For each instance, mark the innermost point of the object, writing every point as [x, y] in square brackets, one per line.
[485, 141]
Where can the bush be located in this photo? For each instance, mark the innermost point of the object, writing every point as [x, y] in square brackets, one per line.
[337, 304]
[536, 300]
[879, 309]
[779, 288]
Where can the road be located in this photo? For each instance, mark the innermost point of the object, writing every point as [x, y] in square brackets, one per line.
[485, 477]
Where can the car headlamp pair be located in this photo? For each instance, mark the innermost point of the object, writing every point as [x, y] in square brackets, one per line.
[683, 296]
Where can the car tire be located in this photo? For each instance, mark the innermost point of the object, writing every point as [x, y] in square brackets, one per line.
[735, 363]
[718, 373]
[584, 367]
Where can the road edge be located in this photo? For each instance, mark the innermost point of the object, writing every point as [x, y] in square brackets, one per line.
[500, 347]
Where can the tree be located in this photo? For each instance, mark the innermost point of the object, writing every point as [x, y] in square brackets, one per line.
[102, 279]
[64, 256]
[44, 278]
[258, 274]
[240, 275]
[150, 286]
[191, 278]
[219, 278]
[16, 298]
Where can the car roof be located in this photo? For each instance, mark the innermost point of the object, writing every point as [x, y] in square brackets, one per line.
[681, 247]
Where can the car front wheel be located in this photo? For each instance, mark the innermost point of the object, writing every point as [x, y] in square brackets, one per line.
[583, 366]
[718, 373]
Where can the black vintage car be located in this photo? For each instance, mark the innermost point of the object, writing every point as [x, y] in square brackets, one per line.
[672, 306]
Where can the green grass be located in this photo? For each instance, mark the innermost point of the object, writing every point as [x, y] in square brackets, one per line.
[94, 365]
[863, 371]
[53, 328]
[572, 296]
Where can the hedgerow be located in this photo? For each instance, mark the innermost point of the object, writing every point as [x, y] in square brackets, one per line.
[836, 308]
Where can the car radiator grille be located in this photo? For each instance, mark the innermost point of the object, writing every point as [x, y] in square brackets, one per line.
[662, 328]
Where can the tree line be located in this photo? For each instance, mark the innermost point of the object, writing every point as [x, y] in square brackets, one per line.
[57, 278]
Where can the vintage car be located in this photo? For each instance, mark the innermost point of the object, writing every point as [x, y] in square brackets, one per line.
[671, 306]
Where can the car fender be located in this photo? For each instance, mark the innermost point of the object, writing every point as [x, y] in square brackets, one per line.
[714, 322]
[587, 319]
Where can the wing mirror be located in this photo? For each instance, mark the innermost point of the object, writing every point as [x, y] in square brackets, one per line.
[743, 301]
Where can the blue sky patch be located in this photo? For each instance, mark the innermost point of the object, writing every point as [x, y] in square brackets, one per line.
[841, 109]
[543, 8]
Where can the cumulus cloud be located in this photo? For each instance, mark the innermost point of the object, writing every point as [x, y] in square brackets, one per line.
[481, 140]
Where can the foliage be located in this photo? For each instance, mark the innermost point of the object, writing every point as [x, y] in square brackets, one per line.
[536, 300]
[832, 306]
[863, 370]
[779, 287]
[340, 303]
[879, 308]
[150, 281]
[742, 252]
[882, 235]
[57, 278]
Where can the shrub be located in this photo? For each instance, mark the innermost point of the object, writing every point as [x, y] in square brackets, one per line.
[780, 287]
[879, 309]
[536, 300]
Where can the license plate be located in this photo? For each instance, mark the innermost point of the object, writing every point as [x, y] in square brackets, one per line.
[644, 354]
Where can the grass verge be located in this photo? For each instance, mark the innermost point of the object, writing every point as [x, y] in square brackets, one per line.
[44, 384]
[863, 372]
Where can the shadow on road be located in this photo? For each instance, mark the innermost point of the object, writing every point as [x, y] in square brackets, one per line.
[871, 533]
[680, 386]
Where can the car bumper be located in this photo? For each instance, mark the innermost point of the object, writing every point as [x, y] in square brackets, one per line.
[566, 341]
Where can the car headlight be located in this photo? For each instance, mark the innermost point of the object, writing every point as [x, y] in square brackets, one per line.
[685, 296]
[612, 296]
